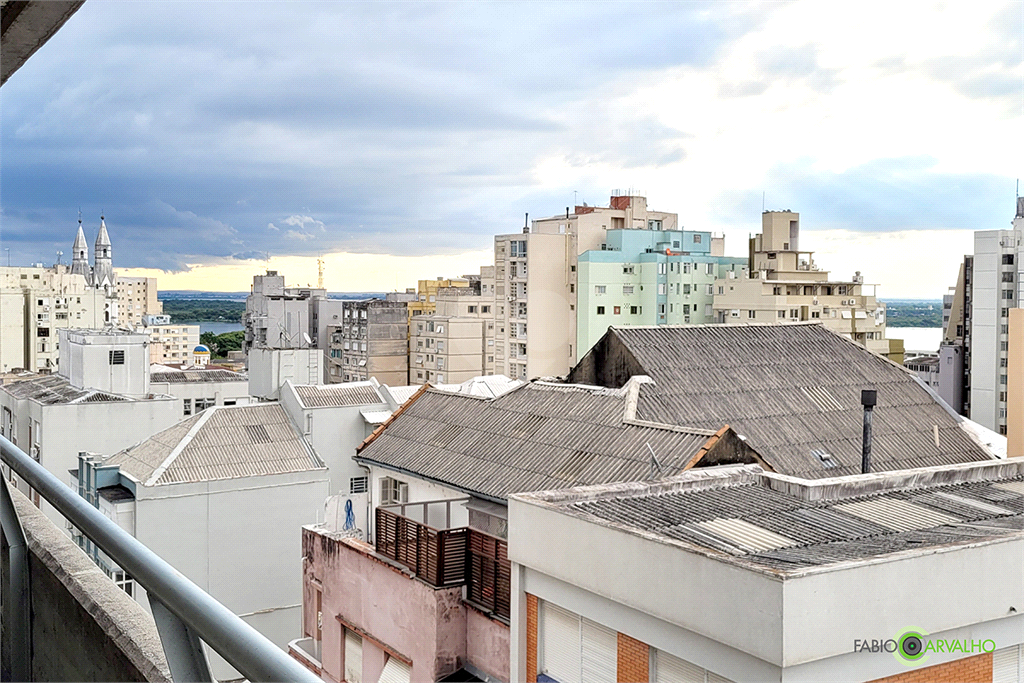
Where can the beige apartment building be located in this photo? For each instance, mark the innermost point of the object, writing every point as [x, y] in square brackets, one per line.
[172, 344]
[456, 342]
[36, 302]
[536, 282]
[137, 297]
[426, 294]
[784, 285]
[371, 341]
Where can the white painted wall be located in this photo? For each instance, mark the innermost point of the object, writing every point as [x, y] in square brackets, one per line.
[269, 369]
[218, 392]
[85, 360]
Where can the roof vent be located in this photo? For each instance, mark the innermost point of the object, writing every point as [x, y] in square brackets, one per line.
[824, 457]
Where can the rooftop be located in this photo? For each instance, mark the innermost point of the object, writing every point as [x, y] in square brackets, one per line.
[785, 526]
[538, 436]
[335, 395]
[793, 391]
[191, 376]
[220, 443]
[56, 389]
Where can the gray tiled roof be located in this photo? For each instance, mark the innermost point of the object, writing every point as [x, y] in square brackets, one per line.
[194, 376]
[749, 519]
[791, 390]
[220, 443]
[348, 394]
[56, 389]
[539, 436]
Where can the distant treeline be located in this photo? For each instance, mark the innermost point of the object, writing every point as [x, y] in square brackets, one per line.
[204, 311]
[913, 313]
[220, 344]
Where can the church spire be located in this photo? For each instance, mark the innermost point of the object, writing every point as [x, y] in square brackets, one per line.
[103, 268]
[80, 253]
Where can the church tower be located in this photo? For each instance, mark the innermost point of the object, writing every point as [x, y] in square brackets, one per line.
[80, 255]
[103, 272]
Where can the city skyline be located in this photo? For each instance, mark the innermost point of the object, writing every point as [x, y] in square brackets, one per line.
[211, 140]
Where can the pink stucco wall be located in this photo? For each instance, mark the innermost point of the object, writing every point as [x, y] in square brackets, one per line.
[487, 645]
[406, 615]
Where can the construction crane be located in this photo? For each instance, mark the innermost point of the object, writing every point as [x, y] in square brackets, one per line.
[320, 272]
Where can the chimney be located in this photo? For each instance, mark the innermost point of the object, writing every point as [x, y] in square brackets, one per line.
[526, 225]
[868, 399]
[1015, 385]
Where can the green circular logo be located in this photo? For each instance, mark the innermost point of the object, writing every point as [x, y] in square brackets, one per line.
[910, 646]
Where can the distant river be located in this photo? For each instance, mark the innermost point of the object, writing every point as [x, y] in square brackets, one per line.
[221, 328]
[917, 338]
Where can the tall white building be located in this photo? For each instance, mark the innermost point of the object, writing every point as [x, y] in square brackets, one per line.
[280, 317]
[996, 287]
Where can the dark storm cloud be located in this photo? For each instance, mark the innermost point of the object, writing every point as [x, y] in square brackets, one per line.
[880, 196]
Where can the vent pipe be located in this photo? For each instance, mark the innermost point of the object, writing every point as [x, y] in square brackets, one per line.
[868, 399]
[526, 225]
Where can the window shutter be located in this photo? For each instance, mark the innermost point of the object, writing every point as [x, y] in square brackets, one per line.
[600, 653]
[395, 671]
[1006, 665]
[353, 657]
[670, 669]
[560, 645]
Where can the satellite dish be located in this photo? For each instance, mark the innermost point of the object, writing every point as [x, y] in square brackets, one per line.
[306, 337]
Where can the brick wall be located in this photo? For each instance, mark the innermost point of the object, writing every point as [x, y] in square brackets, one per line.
[531, 639]
[634, 657]
[977, 669]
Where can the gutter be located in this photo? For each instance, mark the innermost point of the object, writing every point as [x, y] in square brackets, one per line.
[366, 462]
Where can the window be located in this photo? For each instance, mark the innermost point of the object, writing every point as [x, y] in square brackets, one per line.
[187, 403]
[627, 289]
[1007, 259]
[782, 314]
[1004, 346]
[1006, 312]
[472, 309]
[1007, 293]
[573, 648]
[599, 289]
[721, 290]
[751, 314]
[1008, 277]
[1002, 379]
[353, 657]
[661, 289]
[661, 269]
[686, 309]
[600, 310]
[710, 290]
[794, 313]
[572, 269]
[815, 314]
[711, 268]
[686, 289]
[627, 270]
[1002, 362]
[393, 491]
[686, 268]
[696, 239]
[661, 309]
[485, 309]
[632, 310]
[115, 357]
[358, 485]
[618, 310]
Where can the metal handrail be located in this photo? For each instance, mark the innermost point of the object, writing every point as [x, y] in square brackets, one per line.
[245, 648]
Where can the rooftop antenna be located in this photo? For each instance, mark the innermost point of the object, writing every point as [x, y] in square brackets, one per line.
[655, 465]
[59, 254]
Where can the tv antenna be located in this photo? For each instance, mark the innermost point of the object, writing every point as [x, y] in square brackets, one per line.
[59, 254]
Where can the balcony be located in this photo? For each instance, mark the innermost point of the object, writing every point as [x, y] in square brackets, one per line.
[445, 557]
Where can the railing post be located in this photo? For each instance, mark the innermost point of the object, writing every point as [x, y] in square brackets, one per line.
[17, 595]
[182, 646]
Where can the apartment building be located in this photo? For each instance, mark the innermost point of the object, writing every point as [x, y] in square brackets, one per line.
[996, 287]
[371, 340]
[200, 388]
[783, 284]
[425, 301]
[172, 344]
[280, 317]
[456, 342]
[137, 298]
[35, 303]
[740, 574]
[953, 369]
[101, 401]
[650, 277]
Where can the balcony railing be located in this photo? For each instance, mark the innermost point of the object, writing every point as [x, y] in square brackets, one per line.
[447, 557]
[184, 613]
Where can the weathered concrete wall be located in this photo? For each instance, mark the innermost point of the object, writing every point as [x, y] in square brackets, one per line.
[487, 644]
[607, 364]
[84, 628]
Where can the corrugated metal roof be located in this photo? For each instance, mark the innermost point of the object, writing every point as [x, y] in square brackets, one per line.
[220, 443]
[56, 389]
[348, 394]
[896, 514]
[197, 376]
[746, 535]
[777, 530]
[539, 436]
[791, 390]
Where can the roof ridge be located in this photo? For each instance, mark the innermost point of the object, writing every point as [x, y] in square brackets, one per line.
[185, 441]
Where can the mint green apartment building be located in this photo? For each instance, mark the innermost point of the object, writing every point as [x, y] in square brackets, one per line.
[650, 277]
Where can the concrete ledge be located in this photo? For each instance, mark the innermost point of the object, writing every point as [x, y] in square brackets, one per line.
[127, 645]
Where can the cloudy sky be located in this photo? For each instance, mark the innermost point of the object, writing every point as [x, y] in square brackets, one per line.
[397, 138]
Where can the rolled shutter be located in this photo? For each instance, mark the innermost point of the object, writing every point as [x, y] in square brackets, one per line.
[600, 653]
[560, 644]
[353, 657]
[670, 669]
[395, 671]
[1006, 665]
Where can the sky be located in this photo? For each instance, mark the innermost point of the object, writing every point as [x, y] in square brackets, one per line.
[396, 138]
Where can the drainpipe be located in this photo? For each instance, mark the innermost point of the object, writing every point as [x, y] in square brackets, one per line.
[868, 399]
